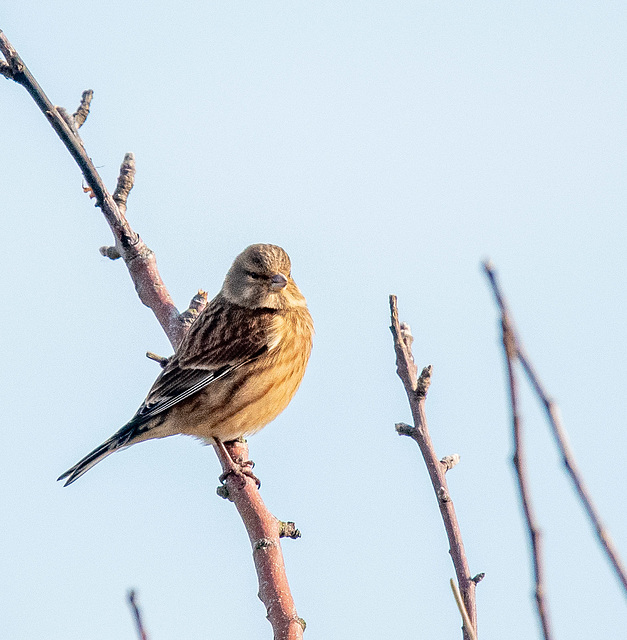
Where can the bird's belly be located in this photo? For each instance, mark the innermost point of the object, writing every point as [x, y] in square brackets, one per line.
[241, 406]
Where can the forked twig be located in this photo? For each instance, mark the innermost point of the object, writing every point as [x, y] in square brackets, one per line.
[416, 388]
[559, 433]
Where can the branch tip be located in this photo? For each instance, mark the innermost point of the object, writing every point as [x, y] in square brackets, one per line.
[406, 334]
[81, 113]
[478, 578]
[197, 304]
[401, 333]
[288, 530]
[160, 359]
[110, 252]
[132, 600]
[404, 429]
[424, 382]
[126, 180]
[450, 461]
[488, 266]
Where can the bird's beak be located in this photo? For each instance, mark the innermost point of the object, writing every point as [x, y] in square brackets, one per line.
[278, 282]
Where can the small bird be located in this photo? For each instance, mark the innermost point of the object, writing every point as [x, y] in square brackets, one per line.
[236, 369]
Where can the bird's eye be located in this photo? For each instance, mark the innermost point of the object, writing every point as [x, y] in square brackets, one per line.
[255, 276]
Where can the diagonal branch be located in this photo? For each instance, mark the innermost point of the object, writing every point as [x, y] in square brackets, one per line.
[416, 389]
[264, 530]
[139, 259]
[559, 433]
[137, 616]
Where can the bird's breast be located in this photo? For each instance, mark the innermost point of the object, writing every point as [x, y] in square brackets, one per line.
[245, 401]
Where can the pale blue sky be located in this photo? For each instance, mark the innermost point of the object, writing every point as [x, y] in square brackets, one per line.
[389, 148]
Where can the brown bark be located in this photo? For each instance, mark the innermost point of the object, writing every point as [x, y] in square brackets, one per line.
[416, 388]
[264, 533]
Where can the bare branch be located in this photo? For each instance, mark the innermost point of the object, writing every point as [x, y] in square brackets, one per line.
[416, 389]
[132, 600]
[535, 536]
[561, 438]
[139, 259]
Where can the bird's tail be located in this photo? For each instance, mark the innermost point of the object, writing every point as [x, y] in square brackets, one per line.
[114, 443]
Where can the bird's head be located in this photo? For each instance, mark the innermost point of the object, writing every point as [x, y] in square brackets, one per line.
[260, 277]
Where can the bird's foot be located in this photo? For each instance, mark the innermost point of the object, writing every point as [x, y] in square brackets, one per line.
[234, 466]
[242, 470]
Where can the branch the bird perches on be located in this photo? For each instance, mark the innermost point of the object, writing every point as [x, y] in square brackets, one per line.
[264, 530]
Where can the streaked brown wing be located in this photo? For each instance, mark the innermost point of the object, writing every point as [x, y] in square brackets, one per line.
[223, 338]
[224, 334]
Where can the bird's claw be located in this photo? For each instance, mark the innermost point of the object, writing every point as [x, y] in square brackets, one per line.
[242, 470]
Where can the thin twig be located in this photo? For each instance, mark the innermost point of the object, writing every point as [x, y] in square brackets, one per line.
[462, 610]
[561, 438]
[535, 537]
[81, 113]
[416, 388]
[139, 259]
[197, 304]
[126, 180]
[137, 616]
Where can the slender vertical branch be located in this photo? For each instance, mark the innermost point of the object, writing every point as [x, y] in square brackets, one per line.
[560, 436]
[535, 537]
[416, 388]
